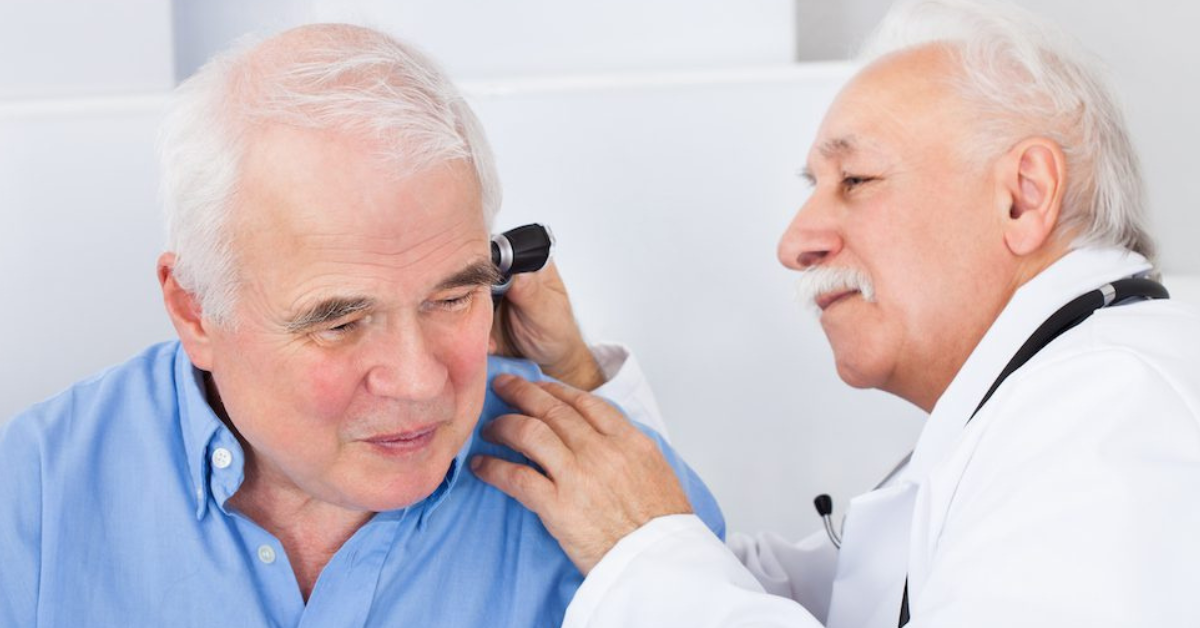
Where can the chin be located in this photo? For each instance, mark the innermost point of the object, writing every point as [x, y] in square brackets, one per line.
[382, 489]
[861, 371]
[864, 354]
[853, 378]
[400, 493]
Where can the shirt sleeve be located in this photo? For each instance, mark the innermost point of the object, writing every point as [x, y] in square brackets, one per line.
[674, 572]
[803, 571]
[1075, 510]
[20, 522]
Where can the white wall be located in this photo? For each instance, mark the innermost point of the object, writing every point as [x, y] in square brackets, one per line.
[81, 87]
[80, 235]
[57, 48]
[474, 38]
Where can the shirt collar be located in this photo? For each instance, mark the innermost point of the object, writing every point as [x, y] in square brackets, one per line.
[1076, 273]
[439, 495]
[199, 425]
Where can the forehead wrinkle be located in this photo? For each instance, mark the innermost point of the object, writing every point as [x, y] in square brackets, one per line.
[355, 238]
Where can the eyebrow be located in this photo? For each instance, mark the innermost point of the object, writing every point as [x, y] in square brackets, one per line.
[831, 149]
[328, 310]
[478, 273]
[838, 147]
[806, 173]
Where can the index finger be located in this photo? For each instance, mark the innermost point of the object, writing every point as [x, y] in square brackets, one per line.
[536, 402]
[598, 412]
[602, 414]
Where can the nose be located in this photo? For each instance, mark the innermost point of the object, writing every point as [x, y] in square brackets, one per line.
[406, 366]
[811, 238]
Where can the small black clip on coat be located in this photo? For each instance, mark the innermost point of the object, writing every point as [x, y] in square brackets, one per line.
[524, 249]
[824, 504]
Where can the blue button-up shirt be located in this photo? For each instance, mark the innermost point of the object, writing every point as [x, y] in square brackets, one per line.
[112, 513]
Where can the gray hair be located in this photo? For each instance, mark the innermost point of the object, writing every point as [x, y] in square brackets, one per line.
[1026, 77]
[344, 78]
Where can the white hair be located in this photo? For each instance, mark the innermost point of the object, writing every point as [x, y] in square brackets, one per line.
[344, 78]
[1026, 78]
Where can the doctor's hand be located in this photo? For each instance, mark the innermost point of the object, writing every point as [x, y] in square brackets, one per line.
[603, 477]
[534, 321]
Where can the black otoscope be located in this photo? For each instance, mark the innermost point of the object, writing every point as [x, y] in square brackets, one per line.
[522, 250]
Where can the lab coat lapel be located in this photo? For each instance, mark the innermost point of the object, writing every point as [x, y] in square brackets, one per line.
[873, 560]
[944, 447]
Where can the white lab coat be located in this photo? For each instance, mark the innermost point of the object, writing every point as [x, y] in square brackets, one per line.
[1071, 499]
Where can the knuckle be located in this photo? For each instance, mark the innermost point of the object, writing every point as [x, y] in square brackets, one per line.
[559, 411]
[531, 431]
[519, 479]
[592, 404]
[643, 443]
[528, 484]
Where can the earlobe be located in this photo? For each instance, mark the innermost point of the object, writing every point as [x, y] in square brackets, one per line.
[1035, 180]
[185, 313]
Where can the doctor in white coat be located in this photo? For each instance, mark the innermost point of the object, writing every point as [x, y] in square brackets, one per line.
[975, 244]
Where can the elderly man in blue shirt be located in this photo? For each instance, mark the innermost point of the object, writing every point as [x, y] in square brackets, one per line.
[297, 457]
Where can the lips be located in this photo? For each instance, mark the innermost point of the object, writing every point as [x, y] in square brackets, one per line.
[404, 441]
[829, 298]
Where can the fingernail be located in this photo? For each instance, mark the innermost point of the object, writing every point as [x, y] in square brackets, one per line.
[476, 463]
[502, 380]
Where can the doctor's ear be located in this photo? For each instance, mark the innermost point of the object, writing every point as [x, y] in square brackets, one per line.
[1032, 178]
[183, 308]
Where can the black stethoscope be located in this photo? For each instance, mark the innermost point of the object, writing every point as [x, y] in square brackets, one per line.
[1068, 316]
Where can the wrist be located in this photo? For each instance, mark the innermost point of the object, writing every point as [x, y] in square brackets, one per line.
[581, 370]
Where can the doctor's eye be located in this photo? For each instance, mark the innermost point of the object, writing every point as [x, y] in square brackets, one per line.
[850, 181]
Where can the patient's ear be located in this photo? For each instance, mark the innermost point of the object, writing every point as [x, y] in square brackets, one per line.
[1032, 177]
[184, 310]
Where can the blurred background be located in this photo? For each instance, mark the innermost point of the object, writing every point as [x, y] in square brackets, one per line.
[659, 138]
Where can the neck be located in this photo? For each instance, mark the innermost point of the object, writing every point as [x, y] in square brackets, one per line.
[310, 530]
[939, 370]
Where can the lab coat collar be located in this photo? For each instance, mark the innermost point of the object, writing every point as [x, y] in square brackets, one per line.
[1076, 273]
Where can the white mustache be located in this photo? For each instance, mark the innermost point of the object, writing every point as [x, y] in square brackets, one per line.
[820, 280]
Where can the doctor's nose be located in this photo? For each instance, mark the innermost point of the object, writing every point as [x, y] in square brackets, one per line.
[810, 239]
[405, 367]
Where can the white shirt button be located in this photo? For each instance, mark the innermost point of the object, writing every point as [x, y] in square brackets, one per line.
[266, 553]
[221, 458]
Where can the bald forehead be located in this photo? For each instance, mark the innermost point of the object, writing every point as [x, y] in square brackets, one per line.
[904, 93]
[922, 76]
[925, 64]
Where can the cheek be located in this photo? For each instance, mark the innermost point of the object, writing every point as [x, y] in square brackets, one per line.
[466, 351]
[327, 388]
